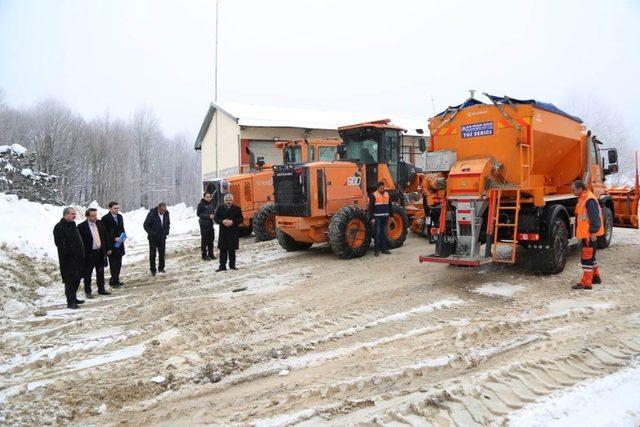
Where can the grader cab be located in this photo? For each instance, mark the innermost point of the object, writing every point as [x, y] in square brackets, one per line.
[328, 201]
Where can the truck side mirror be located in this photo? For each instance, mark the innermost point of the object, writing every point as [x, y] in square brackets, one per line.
[613, 156]
[422, 145]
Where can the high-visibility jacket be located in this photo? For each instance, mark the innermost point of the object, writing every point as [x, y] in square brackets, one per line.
[380, 204]
[587, 222]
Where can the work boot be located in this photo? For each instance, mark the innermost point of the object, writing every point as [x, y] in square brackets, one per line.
[88, 296]
[206, 258]
[386, 252]
[596, 276]
[220, 269]
[153, 273]
[376, 253]
[73, 306]
[581, 286]
[104, 293]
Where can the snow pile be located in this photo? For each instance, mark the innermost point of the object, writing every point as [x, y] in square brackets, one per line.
[499, 289]
[608, 401]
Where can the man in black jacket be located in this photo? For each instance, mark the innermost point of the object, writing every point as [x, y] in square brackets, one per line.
[207, 232]
[157, 226]
[114, 226]
[70, 255]
[229, 217]
[94, 240]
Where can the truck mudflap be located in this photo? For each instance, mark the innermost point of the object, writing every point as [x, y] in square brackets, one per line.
[456, 261]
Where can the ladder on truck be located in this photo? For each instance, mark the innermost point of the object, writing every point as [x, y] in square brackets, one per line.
[506, 200]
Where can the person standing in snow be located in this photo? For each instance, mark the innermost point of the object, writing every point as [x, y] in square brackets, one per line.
[157, 226]
[229, 217]
[207, 232]
[589, 226]
[380, 208]
[114, 226]
[70, 255]
[94, 239]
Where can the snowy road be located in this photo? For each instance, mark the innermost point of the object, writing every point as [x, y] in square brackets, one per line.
[317, 340]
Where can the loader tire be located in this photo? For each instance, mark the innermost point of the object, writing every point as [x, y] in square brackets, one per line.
[290, 245]
[350, 232]
[264, 223]
[607, 217]
[553, 259]
[397, 227]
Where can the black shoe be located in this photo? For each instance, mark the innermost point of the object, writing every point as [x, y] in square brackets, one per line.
[120, 284]
[161, 271]
[73, 306]
[581, 286]
[153, 273]
[233, 268]
[115, 285]
[220, 269]
[212, 256]
[597, 280]
[104, 293]
[386, 252]
[206, 258]
[88, 296]
[376, 253]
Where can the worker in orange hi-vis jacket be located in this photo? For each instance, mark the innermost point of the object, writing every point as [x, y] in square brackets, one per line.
[589, 227]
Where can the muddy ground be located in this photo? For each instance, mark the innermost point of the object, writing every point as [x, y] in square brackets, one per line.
[313, 339]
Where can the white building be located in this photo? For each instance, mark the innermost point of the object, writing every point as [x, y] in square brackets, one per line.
[228, 129]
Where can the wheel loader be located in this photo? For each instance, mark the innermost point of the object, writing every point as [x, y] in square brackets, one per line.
[253, 189]
[328, 201]
[499, 176]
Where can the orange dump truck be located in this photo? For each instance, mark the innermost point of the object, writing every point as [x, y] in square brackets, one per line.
[499, 175]
[253, 189]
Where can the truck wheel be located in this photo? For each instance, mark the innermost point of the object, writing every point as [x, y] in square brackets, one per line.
[397, 227]
[264, 223]
[290, 245]
[350, 232]
[607, 217]
[244, 231]
[553, 259]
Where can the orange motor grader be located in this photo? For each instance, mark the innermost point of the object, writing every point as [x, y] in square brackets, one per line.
[500, 176]
[328, 201]
[253, 189]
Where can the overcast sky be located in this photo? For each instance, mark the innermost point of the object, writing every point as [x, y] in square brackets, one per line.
[397, 58]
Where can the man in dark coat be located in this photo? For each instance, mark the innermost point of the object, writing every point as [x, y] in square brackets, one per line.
[94, 240]
[157, 226]
[70, 255]
[207, 232]
[229, 217]
[114, 226]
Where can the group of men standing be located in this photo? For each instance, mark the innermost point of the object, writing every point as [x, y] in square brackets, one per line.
[229, 217]
[87, 247]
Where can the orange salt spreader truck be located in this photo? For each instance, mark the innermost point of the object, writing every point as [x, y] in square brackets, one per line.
[499, 175]
[253, 189]
[329, 201]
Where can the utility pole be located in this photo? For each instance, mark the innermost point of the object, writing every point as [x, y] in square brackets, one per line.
[215, 91]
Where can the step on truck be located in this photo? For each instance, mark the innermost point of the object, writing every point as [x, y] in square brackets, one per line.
[253, 188]
[499, 175]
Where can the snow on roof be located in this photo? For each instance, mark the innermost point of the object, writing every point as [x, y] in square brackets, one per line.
[261, 116]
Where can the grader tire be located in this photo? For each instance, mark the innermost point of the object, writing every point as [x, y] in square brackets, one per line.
[290, 245]
[264, 223]
[350, 232]
[397, 227]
